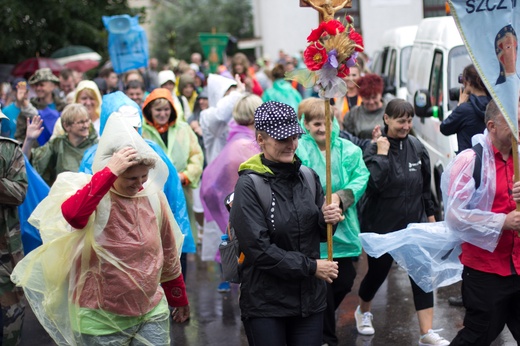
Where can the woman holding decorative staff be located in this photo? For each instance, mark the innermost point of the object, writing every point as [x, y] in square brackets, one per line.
[398, 194]
[283, 291]
[350, 177]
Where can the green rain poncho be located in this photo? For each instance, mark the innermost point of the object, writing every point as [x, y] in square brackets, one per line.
[349, 180]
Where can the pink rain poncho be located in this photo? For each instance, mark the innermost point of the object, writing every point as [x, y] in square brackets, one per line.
[219, 179]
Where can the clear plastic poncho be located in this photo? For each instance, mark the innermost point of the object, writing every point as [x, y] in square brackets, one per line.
[54, 275]
[429, 252]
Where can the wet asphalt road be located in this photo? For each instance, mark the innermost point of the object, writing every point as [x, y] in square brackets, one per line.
[215, 317]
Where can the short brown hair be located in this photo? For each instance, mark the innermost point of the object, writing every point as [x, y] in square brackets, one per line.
[370, 84]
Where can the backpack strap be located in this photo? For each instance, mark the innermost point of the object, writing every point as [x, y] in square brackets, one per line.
[308, 176]
[263, 189]
[477, 170]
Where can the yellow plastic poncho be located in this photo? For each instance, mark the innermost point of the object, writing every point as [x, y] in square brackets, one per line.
[56, 272]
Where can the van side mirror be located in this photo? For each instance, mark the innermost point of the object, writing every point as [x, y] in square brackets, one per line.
[422, 103]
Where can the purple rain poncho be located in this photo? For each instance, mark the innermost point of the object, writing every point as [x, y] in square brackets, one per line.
[220, 176]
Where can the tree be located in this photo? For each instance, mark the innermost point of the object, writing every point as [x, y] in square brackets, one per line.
[29, 29]
[178, 23]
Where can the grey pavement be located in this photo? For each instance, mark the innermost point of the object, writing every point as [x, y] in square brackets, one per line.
[215, 317]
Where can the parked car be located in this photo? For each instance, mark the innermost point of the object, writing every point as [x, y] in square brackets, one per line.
[438, 57]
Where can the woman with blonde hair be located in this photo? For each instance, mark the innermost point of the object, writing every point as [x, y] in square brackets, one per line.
[221, 175]
[86, 93]
[64, 152]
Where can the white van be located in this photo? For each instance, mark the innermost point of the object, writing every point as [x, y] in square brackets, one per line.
[392, 61]
[438, 57]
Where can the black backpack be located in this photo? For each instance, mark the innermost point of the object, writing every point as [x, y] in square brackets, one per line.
[477, 170]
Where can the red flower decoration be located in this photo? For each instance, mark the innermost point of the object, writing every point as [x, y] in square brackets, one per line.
[358, 39]
[316, 34]
[333, 27]
[343, 71]
[315, 56]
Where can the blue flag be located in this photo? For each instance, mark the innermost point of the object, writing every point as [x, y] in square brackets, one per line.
[127, 43]
[489, 30]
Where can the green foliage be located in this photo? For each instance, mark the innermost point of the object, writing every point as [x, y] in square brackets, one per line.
[39, 28]
[178, 23]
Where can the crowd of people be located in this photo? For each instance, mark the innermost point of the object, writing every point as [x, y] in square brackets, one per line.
[142, 163]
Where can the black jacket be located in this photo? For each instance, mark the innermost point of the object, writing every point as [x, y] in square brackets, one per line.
[466, 120]
[280, 248]
[398, 191]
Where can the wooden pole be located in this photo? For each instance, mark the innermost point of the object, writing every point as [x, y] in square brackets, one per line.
[514, 145]
[329, 8]
[328, 177]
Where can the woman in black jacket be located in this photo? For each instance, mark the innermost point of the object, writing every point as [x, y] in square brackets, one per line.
[283, 291]
[467, 119]
[398, 193]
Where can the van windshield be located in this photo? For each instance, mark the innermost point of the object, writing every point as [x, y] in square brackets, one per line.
[458, 59]
[406, 53]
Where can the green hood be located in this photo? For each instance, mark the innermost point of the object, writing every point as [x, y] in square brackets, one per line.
[335, 128]
[254, 163]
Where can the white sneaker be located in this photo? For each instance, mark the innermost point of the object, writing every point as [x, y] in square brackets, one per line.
[432, 339]
[364, 322]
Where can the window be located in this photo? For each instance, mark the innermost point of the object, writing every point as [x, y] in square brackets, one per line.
[392, 65]
[406, 53]
[354, 12]
[434, 8]
[458, 59]
[436, 81]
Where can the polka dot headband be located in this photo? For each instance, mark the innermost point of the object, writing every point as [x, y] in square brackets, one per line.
[278, 120]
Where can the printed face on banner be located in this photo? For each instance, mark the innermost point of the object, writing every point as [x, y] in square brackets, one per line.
[506, 44]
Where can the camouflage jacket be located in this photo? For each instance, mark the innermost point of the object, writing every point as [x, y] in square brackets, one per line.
[13, 186]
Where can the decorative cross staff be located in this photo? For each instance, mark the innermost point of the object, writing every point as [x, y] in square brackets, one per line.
[332, 50]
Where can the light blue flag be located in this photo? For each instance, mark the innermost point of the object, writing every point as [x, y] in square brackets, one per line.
[489, 30]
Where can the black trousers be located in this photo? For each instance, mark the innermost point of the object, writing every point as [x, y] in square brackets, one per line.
[281, 331]
[336, 291]
[491, 301]
[378, 269]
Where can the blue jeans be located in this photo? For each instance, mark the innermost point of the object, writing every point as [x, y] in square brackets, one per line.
[281, 331]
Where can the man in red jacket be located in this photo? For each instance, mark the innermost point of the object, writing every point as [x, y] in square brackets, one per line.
[487, 221]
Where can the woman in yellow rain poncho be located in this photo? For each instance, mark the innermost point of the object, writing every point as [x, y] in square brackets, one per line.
[110, 240]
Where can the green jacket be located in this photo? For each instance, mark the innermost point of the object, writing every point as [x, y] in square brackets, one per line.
[349, 181]
[282, 91]
[13, 186]
[59, 155]
[183, 149]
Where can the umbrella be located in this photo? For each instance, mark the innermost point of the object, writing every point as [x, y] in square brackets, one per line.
[78, 58]
[27, 67]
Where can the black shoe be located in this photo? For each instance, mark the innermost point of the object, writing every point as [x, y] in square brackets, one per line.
[455, 301]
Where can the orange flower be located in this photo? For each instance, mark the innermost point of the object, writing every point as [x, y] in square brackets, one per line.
[315, 56]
